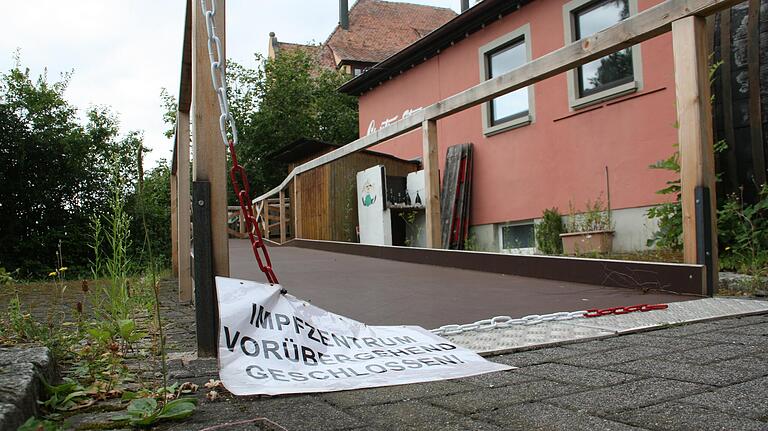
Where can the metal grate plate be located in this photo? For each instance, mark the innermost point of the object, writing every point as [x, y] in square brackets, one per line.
[502, 340]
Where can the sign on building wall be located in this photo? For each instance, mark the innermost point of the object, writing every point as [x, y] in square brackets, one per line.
[271, 344]
[387, 121]
[373, 216]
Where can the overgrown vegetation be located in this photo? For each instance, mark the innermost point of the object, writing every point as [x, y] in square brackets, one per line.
[742, 227]
[110, 325]
[743, 234]
[55, 171]
[79, 204]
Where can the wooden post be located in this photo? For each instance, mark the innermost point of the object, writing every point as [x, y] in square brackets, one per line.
[265, 217]
[241, 222]
[697, 160]
[296, 207]
[283, 235]
[726, 52]
[183, 207]
[174, 224]
[210, 151]
[755, 111]
[206, 318]
[431, 183]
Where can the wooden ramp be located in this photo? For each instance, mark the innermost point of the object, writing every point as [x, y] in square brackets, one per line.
[382, 291]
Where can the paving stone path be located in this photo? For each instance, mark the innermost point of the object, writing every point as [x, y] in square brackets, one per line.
[704, 376]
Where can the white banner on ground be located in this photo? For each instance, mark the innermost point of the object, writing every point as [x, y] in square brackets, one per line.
[271, 344]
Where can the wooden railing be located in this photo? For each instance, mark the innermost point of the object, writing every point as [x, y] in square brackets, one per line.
[272, 215]
[683, 17]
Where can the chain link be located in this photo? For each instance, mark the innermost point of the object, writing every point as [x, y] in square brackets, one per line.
[228, 129]
[596, 312]
[534, 319]
[507, 321]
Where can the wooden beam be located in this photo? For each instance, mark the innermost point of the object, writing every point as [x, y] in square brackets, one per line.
[755, 111]
[210, 152]
[697, 159]
[726, 53]
[283, 235]
[431, 184]
[185, 83]
[184, 209]
[635, 29]
[174, 225]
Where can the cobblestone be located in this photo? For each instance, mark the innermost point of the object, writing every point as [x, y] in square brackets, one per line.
[539, 416]
[603, 384]
[674, 416]
[709, 375]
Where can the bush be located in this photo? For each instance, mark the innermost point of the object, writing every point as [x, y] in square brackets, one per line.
[743, 234]
[548, 232]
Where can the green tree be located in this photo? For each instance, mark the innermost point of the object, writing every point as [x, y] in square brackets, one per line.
[153, 199]
[285, 99]
[55, 174]
[51, 169]
[282, 100]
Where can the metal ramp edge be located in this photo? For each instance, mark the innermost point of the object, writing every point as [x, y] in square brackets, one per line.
[489, 342]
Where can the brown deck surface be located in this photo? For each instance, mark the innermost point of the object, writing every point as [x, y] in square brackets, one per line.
[379, 291]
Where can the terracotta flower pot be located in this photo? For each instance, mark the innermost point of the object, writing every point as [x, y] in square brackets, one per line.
[576, 243]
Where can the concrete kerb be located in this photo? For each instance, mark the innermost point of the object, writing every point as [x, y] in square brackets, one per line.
[21, 372]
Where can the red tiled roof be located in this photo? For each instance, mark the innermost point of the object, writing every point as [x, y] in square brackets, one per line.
[319, 52]
[379, 29]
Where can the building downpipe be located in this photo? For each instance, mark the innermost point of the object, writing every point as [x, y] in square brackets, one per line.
[344, 14]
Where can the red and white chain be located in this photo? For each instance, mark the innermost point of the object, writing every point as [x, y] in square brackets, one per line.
[507, 321]
[228, 129]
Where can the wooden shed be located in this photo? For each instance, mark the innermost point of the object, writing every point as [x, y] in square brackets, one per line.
[327, 194]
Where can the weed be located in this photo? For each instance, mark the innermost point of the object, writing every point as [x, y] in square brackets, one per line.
[67, 396]
[743, 234]
[118, 239]
[471, 243]
[413, 229]
[6, 277]
[597, 217]
[143, 412]
[36, 424]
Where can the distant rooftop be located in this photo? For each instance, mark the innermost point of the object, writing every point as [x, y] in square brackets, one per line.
[377, 30]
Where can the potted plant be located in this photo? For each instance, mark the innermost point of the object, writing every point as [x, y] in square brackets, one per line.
[590, 232]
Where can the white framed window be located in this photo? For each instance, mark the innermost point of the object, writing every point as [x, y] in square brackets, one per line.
[613, 75]
[518, 238]
[496, 58]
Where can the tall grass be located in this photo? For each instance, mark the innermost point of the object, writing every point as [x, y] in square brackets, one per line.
[114, 234]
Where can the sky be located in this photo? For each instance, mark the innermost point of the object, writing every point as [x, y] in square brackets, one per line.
[122, 52]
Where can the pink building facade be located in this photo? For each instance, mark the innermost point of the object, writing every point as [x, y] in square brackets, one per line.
[564, 141]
